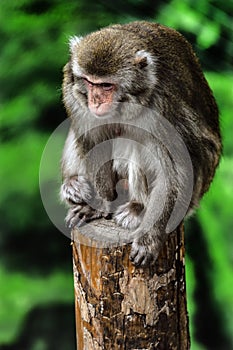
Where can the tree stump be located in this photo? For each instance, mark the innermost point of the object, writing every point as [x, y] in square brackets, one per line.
[121, 307]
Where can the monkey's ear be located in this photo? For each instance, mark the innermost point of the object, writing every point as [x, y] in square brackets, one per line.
[73, 42]
[143, 59]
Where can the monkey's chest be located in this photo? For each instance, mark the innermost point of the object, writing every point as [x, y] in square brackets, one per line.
[129, 157]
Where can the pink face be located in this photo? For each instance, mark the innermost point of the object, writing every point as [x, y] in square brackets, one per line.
[100, 95]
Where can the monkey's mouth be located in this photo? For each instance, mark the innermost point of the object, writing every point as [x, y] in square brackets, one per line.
[102, 110]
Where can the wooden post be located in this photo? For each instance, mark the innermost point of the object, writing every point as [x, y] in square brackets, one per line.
[121, 307]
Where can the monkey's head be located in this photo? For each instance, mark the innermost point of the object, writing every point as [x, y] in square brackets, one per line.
[108, 67]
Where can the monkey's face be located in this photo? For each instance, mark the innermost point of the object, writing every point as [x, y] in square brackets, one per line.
[101, 95]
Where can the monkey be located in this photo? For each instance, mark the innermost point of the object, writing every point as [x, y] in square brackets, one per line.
[119, 81]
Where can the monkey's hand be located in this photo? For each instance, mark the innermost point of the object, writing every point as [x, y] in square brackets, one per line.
[128, 215]
[145, 249]
[76, 190]
[80, 214]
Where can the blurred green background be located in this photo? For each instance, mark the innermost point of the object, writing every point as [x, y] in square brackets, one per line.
[36, 282]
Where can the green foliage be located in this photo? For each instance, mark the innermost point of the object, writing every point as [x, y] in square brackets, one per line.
[214, 216]
[19, 294]
[34, 36]
[208, 24]
[222, 84]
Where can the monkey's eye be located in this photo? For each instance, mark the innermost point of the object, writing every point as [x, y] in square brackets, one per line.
[107, 86]
[104, 86]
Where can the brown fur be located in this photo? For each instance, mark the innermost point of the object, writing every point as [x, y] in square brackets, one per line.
[153, 66]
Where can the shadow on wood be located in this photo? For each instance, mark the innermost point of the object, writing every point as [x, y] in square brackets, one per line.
[119, 306]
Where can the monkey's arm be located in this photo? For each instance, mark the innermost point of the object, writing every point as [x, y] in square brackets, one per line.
[75, 188]
[86, 202]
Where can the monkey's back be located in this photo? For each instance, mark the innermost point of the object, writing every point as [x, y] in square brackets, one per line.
[185, 96]
[178, 69]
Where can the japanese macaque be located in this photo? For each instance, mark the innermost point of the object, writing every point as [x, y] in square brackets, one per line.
[120, 84]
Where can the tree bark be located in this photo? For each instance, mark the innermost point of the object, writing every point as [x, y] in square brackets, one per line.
[121, 307]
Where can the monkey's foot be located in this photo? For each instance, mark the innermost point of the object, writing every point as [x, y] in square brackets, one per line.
[128, 215]
[78, 215]
[145, 250]
[76, 190]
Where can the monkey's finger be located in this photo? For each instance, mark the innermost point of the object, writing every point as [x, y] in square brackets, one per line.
[75, 196]
[77, 221]
[140, 255]
[71, 215]
[81, 221]
[73, 221]
[148, 260]
[142, 260]
[137, 254]
[88, 214]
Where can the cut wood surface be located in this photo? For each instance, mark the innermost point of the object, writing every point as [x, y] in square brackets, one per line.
[119, 306]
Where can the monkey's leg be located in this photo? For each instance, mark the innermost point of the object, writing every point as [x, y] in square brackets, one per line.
[105, 186]
[151, 234]
[129, 215]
